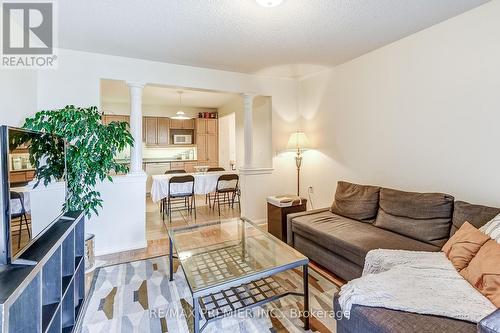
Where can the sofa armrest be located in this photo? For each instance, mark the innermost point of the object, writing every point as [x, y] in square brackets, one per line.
[289, 218]
[490, 324]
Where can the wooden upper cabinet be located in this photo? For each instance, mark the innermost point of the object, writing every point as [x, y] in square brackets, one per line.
[201, 126]
[188, 124]
[211, 126]
[181, 123]
[108, 118]
[175, 123]
[163, 130]
[151, 130]
[206, 126]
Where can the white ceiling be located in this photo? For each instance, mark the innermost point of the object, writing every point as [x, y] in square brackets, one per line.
[114, 91]
[296, 38]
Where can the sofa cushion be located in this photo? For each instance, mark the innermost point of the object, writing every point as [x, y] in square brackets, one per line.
[464, 245]
[358, 202]
[422, 216]
[352, 239]
[477, 215]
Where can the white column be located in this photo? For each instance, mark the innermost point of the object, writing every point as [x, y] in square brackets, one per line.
[248, 129]
[135, 89]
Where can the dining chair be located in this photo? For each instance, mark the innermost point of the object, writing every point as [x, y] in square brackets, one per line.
[168, 172]
[21, 215]
[185, 197]
[207, 196]
[228, 188]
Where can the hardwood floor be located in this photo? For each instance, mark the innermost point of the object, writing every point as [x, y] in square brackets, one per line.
[156, 229]
[157, 238]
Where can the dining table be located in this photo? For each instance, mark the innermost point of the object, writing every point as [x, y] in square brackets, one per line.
[204, 183]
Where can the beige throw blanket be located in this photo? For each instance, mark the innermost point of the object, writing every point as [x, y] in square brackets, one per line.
[418, 282]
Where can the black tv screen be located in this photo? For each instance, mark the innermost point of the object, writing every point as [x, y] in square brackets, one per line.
[33, 171]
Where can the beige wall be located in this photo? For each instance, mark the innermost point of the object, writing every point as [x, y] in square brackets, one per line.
[227, 140]
[420, 114]
[263, 126]
[77, 81]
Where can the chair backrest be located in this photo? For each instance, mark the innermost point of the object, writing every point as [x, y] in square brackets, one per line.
[215, 169]
[18, 196]
[228, 182]
[168, 172]
[181, 180]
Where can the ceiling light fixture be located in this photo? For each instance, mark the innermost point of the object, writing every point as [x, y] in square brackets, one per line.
[269, 3]
[180, 114]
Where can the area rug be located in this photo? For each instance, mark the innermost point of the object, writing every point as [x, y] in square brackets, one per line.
[138, 297]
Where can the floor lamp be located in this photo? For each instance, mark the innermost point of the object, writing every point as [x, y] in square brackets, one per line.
[298, 142]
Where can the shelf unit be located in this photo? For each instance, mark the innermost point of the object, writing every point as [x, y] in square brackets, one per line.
[47, 297]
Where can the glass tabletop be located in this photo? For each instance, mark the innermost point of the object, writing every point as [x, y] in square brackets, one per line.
[217, 253]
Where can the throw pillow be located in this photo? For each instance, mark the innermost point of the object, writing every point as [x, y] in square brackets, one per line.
[483, 271]
[464, 245]
[357, 202]
[492, 228]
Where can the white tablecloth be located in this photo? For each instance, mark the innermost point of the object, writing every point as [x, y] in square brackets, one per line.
[204, 183]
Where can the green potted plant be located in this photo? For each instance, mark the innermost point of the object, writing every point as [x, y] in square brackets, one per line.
[90, 152]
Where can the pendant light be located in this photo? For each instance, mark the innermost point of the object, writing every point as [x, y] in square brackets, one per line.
[180, 114]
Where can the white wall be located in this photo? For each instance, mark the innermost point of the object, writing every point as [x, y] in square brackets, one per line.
[17, 96]
[420, 114]
[120, 225]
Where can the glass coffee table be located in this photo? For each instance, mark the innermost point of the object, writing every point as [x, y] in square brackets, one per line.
[229, 266]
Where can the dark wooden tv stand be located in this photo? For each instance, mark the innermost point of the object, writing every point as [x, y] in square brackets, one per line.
[46, 297]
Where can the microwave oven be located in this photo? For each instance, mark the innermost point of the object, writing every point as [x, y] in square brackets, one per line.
[183, 139]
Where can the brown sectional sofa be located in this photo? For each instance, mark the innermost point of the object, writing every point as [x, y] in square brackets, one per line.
[363, 218]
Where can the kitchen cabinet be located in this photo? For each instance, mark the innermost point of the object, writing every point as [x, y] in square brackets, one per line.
[177, 166]
[207, 142]
[181, 123]
[163, 129]
[151, 130]
[211, 126]
[212, 148]
[189, 166]
[21, 176]
[108, 118]
[201, 143]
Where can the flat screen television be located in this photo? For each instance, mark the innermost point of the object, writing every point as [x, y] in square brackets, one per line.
[33, 188]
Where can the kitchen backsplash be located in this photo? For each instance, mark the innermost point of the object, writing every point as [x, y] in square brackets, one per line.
[20, 162]
[182, 153]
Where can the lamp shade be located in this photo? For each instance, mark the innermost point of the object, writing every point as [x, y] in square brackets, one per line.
[299, 141]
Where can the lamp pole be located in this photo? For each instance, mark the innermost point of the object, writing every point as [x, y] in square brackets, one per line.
[298, 163]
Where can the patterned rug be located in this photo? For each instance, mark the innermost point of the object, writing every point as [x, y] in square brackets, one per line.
[138, 297]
